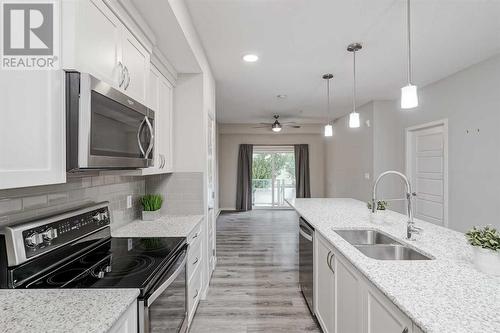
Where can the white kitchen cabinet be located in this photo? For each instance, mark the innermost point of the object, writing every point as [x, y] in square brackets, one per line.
[97, 42]
[165, 127]
[348, 297]
[325, 284]
[127, 323]
[383, 316]
[195, 262]
[32, 128]
[135, 60]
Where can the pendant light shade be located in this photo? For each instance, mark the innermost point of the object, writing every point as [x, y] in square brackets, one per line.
[354, 116]
[328, 130]
[329, 126]
[354, 120]
[409, 95]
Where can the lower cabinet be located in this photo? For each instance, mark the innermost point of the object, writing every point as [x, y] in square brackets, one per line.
[127, 323]
[347, 302]
[324, 284]
[194, 270]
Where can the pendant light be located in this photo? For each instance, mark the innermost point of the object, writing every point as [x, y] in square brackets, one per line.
[409, 97]
[354, 116]
[329, 126]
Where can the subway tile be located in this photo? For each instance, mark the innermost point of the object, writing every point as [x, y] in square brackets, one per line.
[8, 205]
[57, 198]
[34, 202]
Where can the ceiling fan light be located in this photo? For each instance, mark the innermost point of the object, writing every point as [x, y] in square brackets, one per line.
[276, 129]
[328, 130]
[353, 120]
[409, 97]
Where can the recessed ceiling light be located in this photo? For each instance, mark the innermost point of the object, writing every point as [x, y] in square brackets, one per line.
[281, 96]
[250, 57]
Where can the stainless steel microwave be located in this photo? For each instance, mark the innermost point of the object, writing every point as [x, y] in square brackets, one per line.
[105, 129]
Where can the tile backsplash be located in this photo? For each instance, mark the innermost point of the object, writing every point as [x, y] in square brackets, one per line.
[21, 204]
[182, 191]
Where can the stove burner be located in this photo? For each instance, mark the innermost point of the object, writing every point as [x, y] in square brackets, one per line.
[129, 265]
[65, 276]
[93, 258]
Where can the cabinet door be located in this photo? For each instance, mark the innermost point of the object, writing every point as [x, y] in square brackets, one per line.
[154, 103]
[348, 301]
[325, 290]
[165, 110]
[383, 316]
[97, 41]
[32, 128]
[135, 59]
[127, 323]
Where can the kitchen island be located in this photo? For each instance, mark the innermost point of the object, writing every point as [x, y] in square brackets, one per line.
[445, 294]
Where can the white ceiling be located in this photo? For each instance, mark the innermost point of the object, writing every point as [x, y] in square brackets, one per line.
[299, 40]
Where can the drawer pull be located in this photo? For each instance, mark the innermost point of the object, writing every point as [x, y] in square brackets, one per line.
[196, 294]
[195, 261]
[195, 235]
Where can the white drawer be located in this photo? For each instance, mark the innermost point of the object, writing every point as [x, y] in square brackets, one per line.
[194, 259]
[195, 235]
[194, 292]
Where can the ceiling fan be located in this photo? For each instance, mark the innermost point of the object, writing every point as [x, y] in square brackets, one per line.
[276, 126]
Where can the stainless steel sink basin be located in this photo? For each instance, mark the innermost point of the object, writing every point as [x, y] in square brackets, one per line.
[391, 252]
[366, 237]
[380, 246]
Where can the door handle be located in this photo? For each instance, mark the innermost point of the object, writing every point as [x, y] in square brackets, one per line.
[128, 78]
[122, 74]
[139, 137]
[152, 137]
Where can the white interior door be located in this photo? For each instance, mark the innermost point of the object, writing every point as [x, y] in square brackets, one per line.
[427, 152]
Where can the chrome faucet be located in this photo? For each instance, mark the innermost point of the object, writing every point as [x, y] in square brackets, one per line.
[410, 227]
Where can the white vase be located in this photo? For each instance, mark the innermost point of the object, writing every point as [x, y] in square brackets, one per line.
[487, 261]
[379, 217]
[150, 216]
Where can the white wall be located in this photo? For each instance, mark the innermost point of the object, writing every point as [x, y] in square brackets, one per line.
[349, 155]
[470, 100]
[228, 146]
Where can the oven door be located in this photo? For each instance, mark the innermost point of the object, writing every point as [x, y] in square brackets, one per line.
[107, 129]
[164, 309]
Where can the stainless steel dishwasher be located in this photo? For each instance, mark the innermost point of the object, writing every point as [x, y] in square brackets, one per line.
[306, 235]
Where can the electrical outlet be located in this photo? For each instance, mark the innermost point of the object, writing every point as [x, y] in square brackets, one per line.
[129, 201]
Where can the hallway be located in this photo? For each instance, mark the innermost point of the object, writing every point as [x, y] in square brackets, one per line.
[255, 285]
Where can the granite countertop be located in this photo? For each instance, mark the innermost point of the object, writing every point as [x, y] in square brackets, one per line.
[446, 294]
[63, 310]
[165, 226]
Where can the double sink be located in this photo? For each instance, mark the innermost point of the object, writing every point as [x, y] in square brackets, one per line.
[380, 246]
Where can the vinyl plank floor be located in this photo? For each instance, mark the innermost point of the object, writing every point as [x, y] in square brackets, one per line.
[255, 285]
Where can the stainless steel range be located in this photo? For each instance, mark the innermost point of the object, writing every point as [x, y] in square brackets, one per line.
[75, 250]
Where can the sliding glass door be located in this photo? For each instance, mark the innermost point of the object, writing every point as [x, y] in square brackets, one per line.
[273, 176]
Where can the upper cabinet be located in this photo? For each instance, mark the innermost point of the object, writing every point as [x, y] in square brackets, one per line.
[97, 42]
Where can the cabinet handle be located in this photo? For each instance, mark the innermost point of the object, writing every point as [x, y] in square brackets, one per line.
[195, 261]
[122, 74]
[328, 258]
[128, 78]
[195, 235]
[330, 264]
[195, 295]
[405, 330]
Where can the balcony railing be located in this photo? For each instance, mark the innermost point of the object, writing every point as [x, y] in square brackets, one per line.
[267, 193]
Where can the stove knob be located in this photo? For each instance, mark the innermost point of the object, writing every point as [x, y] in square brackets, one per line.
[49, 234]
[97, 217]
[104, 216]
[100, 275]
[34, 239]
[107, 269]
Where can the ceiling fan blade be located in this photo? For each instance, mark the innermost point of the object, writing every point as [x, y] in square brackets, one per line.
[267, 126]
[288, 123]
[293, 126]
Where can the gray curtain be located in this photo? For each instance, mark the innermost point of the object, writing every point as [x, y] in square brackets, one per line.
[303, 186]
[244, 181]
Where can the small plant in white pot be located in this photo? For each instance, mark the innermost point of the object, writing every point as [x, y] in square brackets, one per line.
[380, 213]
[151, 204]
[486, 246]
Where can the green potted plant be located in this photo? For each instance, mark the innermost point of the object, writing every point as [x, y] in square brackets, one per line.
[486, 248]
[380, 213]
[151, 204]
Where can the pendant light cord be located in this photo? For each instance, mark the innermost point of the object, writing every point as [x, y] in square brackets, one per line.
[354, 82]
[408, 27]
[328, 97]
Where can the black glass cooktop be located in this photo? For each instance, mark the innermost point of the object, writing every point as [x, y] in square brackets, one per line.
[116, 263]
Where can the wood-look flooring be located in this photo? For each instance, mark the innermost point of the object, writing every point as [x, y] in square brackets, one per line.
[255, 285]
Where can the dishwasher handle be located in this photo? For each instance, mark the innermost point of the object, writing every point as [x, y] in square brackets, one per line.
[305, 230]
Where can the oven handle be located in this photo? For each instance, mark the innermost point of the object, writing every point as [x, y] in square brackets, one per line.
[152, 138]
[150, 300]
[139, 136]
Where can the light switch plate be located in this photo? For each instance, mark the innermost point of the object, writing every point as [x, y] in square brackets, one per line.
[129, 201]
